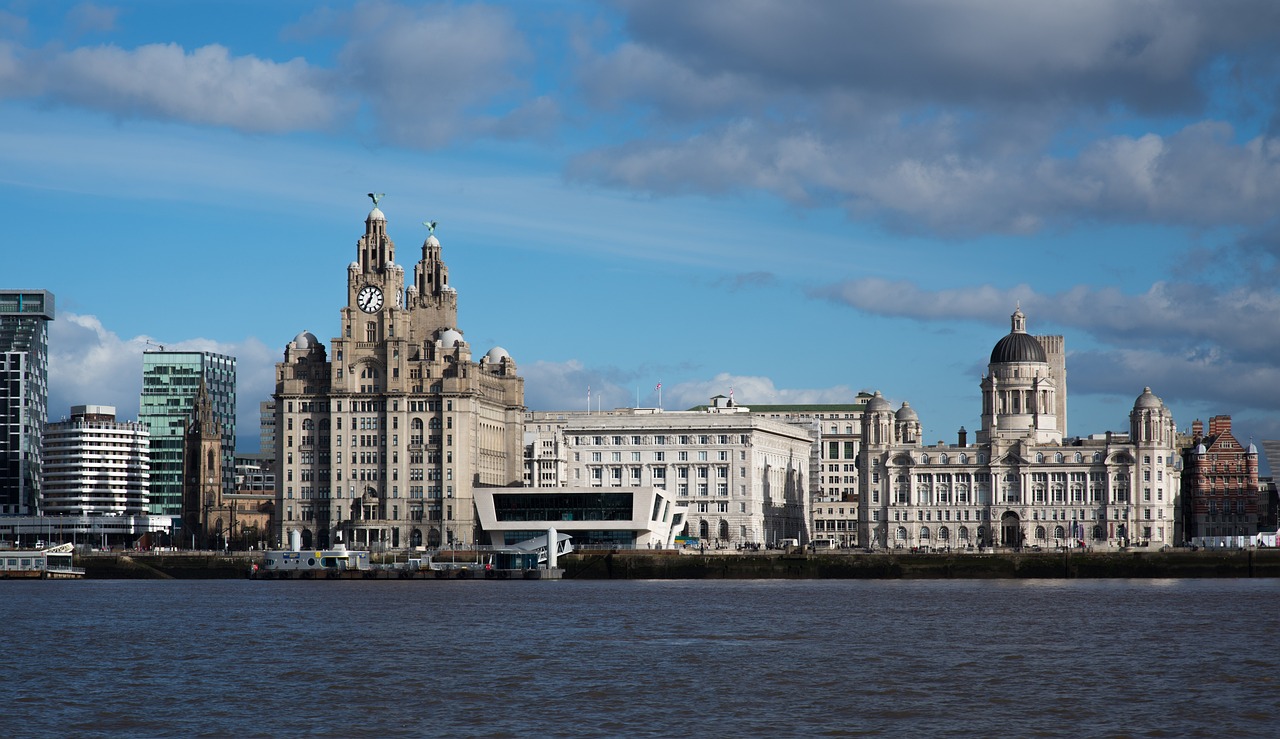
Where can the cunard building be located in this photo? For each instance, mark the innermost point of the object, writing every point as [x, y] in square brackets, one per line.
[1022, 483]
[382, 439]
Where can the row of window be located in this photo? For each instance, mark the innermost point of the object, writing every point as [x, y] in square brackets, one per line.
[660, 439]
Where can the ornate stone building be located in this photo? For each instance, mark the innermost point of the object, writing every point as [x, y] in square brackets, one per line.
[381, 443]
[1023, 483]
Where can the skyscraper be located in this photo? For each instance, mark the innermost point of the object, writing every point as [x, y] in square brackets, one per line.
[171, 381]
[24, 396]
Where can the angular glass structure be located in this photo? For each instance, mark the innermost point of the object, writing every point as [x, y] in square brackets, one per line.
[170, 381]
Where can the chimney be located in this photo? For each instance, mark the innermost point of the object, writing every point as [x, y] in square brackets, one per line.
[1219, 425]
[1197, 430]
[963, 437]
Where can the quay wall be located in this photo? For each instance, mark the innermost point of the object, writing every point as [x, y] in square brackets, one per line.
[1170, 564]
[644, 565]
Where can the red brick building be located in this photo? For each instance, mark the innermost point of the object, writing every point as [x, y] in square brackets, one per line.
[1220, 491]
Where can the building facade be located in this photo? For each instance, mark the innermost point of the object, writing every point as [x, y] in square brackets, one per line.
[24, 396]
[382, 441]
[95, 465]
[171, 381]
[744, 478]
[1222, 494]
[1022, 483]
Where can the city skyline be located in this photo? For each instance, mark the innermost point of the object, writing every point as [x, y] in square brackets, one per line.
[795, 205]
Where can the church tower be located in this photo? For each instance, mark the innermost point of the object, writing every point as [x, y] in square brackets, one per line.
[202, 488]
[382, 439]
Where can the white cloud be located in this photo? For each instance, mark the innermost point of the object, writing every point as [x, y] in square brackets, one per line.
[563, 386]
[206, 86]
[1189, 342]
[438, 73]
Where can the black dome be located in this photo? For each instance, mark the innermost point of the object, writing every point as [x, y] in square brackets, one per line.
[1018, 347]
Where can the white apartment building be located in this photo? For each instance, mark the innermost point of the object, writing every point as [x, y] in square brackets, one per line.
[95, 465]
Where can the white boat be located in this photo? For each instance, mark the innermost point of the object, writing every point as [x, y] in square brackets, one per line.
[327, 562]
[53, 563]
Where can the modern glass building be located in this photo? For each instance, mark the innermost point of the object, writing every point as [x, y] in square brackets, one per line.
[24, 396]
[170, 381]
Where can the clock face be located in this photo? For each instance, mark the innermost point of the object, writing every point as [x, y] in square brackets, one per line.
[369, 299]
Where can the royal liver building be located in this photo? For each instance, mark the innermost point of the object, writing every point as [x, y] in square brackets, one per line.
[1023, 483]
[382, 442]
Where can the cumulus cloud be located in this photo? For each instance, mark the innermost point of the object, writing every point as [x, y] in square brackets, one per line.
[437, 73]
[90, 364]
[1189, 341]
[563, 386]
[1144, 56]
[164, 81]
[953, 119]
[748, 389]
[1168, 316]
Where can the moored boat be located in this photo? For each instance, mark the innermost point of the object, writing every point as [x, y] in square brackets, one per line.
[53, 563]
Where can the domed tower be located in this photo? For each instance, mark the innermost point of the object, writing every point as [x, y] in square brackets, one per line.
[907, 424]
[877, 422]
[1150, 422]
[1020, 390]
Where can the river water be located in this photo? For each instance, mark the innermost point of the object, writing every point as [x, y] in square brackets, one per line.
[640, 658]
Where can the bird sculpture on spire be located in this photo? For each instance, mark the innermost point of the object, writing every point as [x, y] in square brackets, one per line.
[431, 227]
[375, 197]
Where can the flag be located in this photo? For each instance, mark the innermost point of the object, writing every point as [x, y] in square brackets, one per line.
[659, 387]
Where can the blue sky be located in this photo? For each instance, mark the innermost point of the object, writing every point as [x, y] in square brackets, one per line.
[794, 200]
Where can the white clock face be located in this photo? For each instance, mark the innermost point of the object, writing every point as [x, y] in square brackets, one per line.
[369, 299]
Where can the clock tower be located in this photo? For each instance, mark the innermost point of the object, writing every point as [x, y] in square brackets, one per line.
[381, 442]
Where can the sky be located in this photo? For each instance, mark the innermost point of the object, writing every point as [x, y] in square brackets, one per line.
[797, 201]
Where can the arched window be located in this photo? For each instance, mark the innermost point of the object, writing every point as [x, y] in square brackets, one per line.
[944, 534]
[704, 530]
[924, 533]
[1059, 532]
[943, 459]
[1039, 458]
[1058, 457]
[901, 534]
[924, 459]
[724, 529]
[964, 459]
[1040, 533]
[963, 533]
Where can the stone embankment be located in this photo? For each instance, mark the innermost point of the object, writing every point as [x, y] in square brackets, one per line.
[1140, 564]
[641, 565]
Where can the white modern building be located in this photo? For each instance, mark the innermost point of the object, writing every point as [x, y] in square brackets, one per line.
[746, 479]
[96, 465]
[595, 518]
